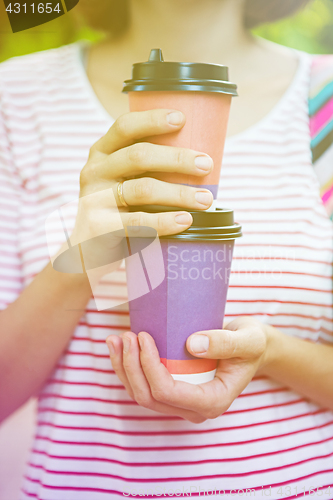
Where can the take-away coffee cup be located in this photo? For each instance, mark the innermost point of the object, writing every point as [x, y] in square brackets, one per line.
[202, 92]
[193, 294]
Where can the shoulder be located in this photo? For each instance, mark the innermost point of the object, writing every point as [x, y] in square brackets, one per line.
[32, 87]
[320, 92]
[322, 63]
[53, 60]
[34, 90]
[321, 125]
[39, 71]
[321, 80]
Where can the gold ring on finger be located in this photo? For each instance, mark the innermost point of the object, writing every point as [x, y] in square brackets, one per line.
[121, 194]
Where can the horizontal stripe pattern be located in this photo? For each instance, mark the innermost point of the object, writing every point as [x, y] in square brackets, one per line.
[92, 441]
[321, 125]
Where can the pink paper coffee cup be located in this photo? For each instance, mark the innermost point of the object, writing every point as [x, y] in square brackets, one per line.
[202, 92]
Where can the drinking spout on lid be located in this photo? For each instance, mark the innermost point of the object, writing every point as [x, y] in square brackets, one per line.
[156, 55]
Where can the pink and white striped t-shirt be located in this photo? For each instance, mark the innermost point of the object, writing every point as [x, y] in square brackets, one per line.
[92, 441]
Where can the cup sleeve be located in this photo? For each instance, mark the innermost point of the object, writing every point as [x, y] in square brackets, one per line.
[11, 282]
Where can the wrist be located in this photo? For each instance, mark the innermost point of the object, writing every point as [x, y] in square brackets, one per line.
[274, 348]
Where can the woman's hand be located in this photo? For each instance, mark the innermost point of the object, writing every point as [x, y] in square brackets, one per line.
[118, 156]
[242, 349]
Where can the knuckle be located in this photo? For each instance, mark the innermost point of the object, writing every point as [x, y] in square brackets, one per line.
[127, 364]
[92, 151]
[183, 191]
[137, 154]
[212, 412]
[90, 172]
[228, 344]
[152, 119]
[136, 219]
[121, 126]
[143, 189]
[85, 175]
[198, 419]
[224, 408]
[162, 224]
[180, 156]
[216, 413]
[157, 119]
[260, 342]
[247, 319]
[159, 394]
[143, 399]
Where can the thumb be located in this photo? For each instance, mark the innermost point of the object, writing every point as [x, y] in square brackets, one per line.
[224, 344]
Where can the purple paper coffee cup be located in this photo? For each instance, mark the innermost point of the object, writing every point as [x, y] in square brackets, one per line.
[192, 295]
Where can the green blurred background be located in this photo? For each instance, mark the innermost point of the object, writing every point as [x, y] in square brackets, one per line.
[310, 30]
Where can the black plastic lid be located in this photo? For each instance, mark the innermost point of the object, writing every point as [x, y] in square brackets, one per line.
[155, 74]
[210, 225]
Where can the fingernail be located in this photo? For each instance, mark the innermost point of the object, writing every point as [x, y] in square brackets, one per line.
[141, 343]
[199, 343]
[204, 198]
[111, 348]
[184, 219]
[175, 118]
[126, 344]
[203, 163]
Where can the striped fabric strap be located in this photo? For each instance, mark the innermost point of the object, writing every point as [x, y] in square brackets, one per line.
[321, 125]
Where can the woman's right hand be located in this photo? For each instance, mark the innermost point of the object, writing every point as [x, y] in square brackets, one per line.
[118, 157]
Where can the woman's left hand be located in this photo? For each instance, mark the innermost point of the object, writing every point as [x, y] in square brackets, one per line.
[242, 349]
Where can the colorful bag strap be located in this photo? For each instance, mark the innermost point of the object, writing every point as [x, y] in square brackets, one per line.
[321, 125]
